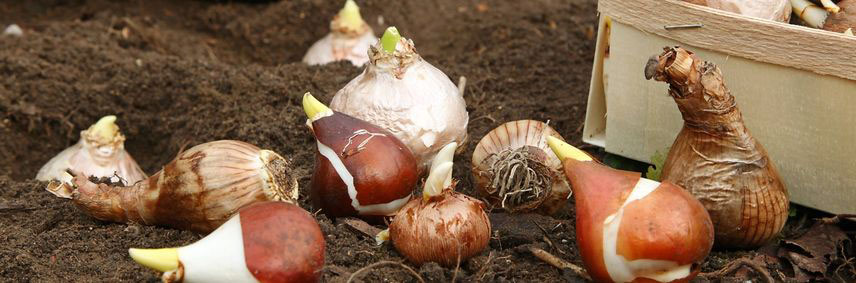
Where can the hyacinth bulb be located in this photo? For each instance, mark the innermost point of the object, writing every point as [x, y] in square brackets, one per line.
[198, 190]
[99, 153]
[402, 93]
[360, 169]
[349, 39]
[264, 242]
[631, 229]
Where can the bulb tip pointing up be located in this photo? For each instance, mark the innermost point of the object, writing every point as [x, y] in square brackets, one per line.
[162, 260]
[564, 150]
[313, 108]
[390, 39]
[105, 130]
[350, 15]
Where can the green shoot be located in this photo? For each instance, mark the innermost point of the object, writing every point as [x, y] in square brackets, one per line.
[390, 39]
[655, 171]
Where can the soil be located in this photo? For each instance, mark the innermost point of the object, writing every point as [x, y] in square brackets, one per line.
[180, 73]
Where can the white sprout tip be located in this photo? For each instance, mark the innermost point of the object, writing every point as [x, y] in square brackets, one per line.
[382, 237]
[438, 179]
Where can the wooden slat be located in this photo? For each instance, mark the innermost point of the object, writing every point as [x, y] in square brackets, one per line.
[767, 41]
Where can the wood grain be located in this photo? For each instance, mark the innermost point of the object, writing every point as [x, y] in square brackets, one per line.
[767, 41]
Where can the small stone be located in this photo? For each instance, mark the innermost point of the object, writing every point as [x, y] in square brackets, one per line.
[13, 30]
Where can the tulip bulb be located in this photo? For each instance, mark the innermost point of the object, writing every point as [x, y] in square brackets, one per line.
[715, 157]
[515, 169]
[360, 169]
[264, 242]
[402, 93]
[349, 39]
[199, 190]
[632, 229]
[100, 153]
[442, 226]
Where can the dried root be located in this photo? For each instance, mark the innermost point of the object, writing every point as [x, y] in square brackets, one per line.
[519, 180]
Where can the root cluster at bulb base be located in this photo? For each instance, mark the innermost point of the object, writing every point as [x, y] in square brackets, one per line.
[519, 179]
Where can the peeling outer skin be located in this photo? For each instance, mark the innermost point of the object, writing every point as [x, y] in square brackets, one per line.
[292, 253]
[406, 95]
[632, 229]
[430, 230]
[716, 159]
[376, 179]
[197, 191]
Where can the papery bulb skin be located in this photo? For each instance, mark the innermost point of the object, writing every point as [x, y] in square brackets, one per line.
[197, 191]
[264, 242]
[349, 39]
[360, 169]
[515, 170]
[401, 92]
[631, 229]
[440, 229]
[715, 157]
[100, 153]
[441, 226]
[776, 10]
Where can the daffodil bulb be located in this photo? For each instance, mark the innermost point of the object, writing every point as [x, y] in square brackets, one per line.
[349, 39]
[100, 153]
[401, 92]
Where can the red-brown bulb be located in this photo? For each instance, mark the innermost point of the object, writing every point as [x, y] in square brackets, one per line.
[360, 169]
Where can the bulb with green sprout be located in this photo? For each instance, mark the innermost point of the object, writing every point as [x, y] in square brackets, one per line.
[401, 92]
[100, 153]
[349, 39]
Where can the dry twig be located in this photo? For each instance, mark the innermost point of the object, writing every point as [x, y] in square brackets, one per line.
[837, 218]
[734, 265]
[356, 274]
[558, 262]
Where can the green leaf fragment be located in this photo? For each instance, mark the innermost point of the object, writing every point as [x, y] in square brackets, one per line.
[655, 171]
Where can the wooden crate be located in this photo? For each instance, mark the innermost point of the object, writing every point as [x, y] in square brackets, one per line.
[796, 87]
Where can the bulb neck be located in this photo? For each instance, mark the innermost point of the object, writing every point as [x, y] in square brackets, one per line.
[395, 63]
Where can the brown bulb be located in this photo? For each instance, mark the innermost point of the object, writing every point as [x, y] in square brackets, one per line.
[516, 171]
[199, 190]
[442, 226]
[715, 157]
[360, 169]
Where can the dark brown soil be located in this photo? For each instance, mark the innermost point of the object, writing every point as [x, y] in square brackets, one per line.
[184, 72]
